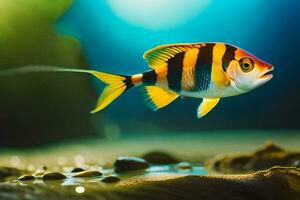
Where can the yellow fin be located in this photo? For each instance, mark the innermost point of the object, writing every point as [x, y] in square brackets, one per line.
[158, 97]
[161, 54]
[116, 86]
[206, 106]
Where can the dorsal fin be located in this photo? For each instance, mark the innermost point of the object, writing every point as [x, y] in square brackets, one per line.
[159, 55]
[157, 97]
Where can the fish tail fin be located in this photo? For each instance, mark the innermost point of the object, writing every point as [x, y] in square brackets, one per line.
[116, 85]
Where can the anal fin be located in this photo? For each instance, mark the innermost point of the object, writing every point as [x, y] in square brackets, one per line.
[206, 106]
[158, 97]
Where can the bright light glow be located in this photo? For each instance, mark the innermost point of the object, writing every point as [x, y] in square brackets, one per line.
[80, 189]
[157, 14]
[79, 160]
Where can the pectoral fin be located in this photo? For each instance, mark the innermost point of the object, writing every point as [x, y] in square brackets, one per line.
[206, 106]
[158, 97]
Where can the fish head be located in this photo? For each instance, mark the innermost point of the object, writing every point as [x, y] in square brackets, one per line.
[248, 72]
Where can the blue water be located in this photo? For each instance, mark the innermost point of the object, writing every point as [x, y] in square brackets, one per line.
[269, 30]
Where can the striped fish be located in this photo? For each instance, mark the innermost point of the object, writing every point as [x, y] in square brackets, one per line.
[201, 70]
[208, 71]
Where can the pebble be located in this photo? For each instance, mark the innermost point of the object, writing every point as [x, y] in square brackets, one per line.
[53, 176]
[184, 166]
[158, 157]
[26, 177]
[124, 164]
[77, 169]
[110, 179]
[39, 174]
[88, 173]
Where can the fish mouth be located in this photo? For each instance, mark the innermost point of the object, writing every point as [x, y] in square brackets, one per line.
[267, 74]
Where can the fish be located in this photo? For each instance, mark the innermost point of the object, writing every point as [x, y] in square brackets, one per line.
[208, 71]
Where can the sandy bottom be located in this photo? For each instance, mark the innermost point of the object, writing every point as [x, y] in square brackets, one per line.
[168, 181]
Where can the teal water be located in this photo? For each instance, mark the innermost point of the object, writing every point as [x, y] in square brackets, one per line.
[114, 35]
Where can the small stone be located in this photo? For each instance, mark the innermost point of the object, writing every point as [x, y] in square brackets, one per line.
[110, 179]
[184, 166]
[53, 176]
[88, 173]
[26, 177]
[39, 174]
[77, 169]
[158, 157]
[124, 164]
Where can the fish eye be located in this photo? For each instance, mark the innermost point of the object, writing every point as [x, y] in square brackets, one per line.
[246, 64]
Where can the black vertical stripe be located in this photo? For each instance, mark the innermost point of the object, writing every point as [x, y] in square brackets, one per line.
[228, 56]
[174, 75]
[149, 78]
[203, 67]
[128, 82]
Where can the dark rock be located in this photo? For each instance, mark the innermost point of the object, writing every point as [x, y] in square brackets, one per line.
[9, 171]
[110, 179]
[26, 177]
[77, 169]
[88, 173]
[124, 164]
[158, 157]
[53, 176]
[268, 156]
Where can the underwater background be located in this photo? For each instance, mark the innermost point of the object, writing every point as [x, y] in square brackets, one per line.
[112, 36]
[51, 147]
